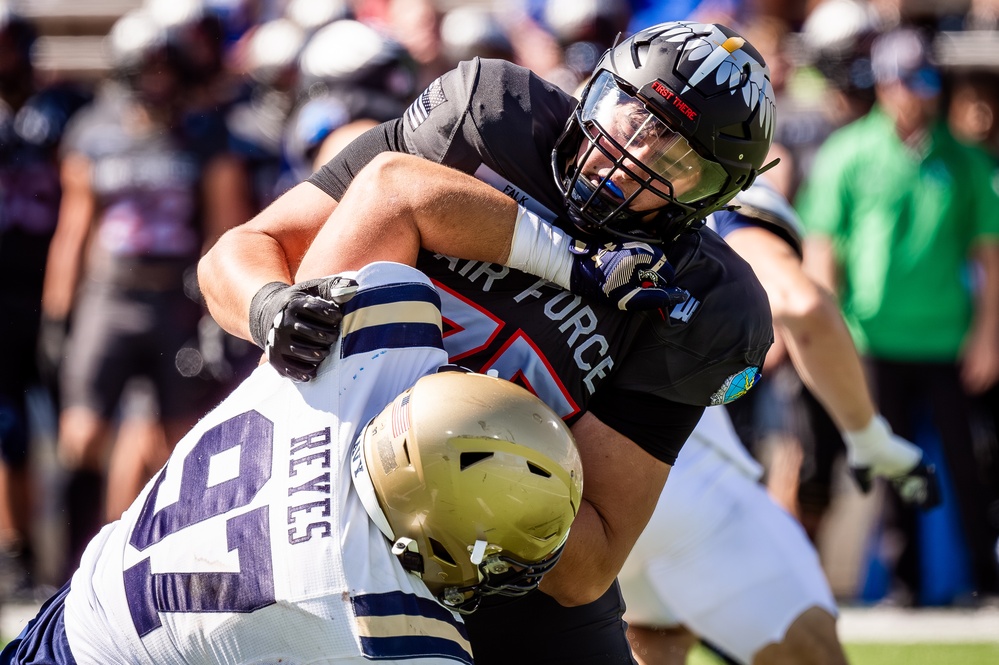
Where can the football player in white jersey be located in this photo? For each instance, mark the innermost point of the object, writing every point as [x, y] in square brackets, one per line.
[349, 519]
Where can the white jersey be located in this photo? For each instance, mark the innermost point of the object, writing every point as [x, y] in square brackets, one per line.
[251, 544]
[718, 554]
[714, 430]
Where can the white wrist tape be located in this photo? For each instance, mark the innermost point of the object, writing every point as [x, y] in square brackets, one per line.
[876, 447]
[540, 249]
[864, 443]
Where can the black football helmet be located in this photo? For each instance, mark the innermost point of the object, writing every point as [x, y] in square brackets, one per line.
[682, 109]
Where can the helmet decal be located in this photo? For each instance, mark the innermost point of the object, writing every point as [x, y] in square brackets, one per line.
[726, 57]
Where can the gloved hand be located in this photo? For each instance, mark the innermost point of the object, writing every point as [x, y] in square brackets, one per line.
[296, 325]
[876, 451]
[632, 275]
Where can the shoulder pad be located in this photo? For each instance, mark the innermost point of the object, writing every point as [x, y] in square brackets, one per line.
[763, 203]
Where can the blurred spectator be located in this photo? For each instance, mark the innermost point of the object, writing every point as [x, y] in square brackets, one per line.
[834, 42]
[314, 14]
[348, 71]
[144, 193]
[256, 124]
[416, 24]
[32, 119]
[198, 33]
[585, 29]
[973, 115]
[973, 109]
[905, 227]
[467, 32]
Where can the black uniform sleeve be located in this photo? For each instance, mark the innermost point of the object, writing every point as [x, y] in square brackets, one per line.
[659, 426]
[334, 176]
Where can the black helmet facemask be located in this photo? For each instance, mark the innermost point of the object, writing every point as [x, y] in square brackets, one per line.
[683, 111]
[619, 134]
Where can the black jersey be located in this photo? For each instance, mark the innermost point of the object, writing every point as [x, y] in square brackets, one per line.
[646, 374]
[146, 182]
[29, 187]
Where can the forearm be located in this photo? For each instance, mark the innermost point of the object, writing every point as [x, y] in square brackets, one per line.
[65, 259]
[980, 354]
[827, 362]
[415, 203]
[582, 574]
[266, 249]
[987, 294]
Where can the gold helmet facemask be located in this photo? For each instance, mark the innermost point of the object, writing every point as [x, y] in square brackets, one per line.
[474, 480]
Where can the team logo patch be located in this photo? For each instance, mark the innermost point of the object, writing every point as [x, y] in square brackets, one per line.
[736, 386]
[430, 99]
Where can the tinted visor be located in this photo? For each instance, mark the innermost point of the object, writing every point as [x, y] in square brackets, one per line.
[648, 141]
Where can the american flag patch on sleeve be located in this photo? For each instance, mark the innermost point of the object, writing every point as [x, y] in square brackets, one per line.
[430, 99]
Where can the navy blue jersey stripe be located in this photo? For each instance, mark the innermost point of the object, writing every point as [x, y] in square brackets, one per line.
[413, 646]
[399, 602]
[392, 294]
[392, 336]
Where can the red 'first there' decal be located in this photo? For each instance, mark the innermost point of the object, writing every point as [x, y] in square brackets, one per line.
[674, 99]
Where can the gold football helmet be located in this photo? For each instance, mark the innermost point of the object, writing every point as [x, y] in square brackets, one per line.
[474, 480]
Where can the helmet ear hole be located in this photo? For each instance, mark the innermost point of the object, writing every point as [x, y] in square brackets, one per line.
[440, 552]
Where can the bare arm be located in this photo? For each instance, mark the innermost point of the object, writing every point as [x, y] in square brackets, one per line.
[76, 213]
[415, 203]
[813, 328]
[980, 357]
[398, 197]
[823, 352]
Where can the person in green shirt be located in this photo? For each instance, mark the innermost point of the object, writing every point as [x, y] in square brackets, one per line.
[903, 223]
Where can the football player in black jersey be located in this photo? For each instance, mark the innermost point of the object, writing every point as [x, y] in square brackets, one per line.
[675, 121]
[33, 116]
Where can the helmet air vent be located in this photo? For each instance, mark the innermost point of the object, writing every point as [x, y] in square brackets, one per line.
[468, 459]
[538, 471]
[440, 552]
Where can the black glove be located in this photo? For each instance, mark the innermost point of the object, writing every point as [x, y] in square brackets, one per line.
[631, 275]
[296, 325]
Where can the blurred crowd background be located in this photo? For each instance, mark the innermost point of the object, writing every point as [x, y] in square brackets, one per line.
[133, 133]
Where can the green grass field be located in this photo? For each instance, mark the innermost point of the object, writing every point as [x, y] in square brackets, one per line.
[899, 654]
[886, 654]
